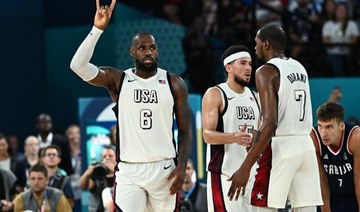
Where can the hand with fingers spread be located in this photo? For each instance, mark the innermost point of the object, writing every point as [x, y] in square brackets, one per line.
[103, 14]
[178, 176]
[239, 180]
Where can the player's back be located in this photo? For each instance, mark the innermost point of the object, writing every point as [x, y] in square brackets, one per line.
[294, 102]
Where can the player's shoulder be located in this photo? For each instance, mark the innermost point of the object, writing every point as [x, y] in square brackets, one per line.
[355, 140]
[356, 133]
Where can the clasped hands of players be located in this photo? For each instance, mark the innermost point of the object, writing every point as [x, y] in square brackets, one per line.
[242, 138]
[241, 176]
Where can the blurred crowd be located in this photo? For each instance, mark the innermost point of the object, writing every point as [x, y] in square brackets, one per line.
[322, 34]
[49, 165]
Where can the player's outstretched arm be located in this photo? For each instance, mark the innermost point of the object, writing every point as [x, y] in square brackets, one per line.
[105, 76]
[183, 119]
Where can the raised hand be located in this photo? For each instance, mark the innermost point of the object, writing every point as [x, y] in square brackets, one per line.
[103, 14]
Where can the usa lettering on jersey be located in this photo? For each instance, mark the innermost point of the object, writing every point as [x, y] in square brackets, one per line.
[246, 113]
[145, 96]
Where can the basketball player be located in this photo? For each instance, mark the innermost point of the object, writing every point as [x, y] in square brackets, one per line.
[149, 171]
[288, 164]
[337, 146]
[229, 110]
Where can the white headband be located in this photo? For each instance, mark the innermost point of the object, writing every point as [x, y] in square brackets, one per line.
[235, 56]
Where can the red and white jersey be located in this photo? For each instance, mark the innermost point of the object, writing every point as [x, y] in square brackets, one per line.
[294, 102]
[145, 118]
[239, 109]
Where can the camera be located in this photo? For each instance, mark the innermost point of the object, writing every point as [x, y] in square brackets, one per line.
[100, 171]
[185, 205]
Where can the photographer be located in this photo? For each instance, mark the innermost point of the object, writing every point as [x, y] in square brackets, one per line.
[99, 176]
[193, 193]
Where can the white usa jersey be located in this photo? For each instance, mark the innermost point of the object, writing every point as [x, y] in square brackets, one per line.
[294, 102]
[239, 109]
[145, 118]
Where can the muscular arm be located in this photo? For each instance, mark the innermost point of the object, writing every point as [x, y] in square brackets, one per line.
[212, 106]
[104, 76]
[267, 82]
[355, 149]
[324, 184]
[183, 120]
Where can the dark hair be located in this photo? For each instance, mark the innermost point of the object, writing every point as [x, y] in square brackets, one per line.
[53, 146]
[275, 35]
[9, 150]
[232, 50]
[109, 146]
[345, 24]
[324, 12]
[140, 34]
[329, 111]
[38, 168]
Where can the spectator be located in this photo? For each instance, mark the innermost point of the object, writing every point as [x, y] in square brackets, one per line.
[52, 158]
[47, 137]
[199, 57]
[328, 11]
[98, 176]
[32, 149]
[302, 30]
[113, 131]
[268, 11]
[335, 95]
[7, 188]
[40, 197]
[72, 134]
[6, 161]
[193, 194]
[209, 11]
[337, 34]
[234, 22]
[13, 142]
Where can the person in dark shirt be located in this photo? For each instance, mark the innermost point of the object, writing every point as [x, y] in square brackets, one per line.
[193, 193]
[46, 137]
[337, 146]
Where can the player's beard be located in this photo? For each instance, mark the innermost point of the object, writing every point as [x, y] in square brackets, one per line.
[146, 68]
[242, 82]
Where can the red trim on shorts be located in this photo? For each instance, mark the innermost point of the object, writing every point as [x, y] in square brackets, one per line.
[177, 202]
[259, 194]
[217, 194]
[116, 208]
